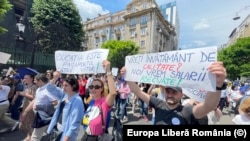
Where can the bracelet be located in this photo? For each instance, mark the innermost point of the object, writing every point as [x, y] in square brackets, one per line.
[109, 73]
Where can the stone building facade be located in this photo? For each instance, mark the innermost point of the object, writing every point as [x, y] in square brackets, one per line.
[141, 22]
[243, 30]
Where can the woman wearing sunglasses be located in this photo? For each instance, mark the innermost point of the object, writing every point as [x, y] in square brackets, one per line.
[100, 106]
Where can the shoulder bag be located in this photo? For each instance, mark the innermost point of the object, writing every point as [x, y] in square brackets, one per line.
[55, 134]
[105, 136]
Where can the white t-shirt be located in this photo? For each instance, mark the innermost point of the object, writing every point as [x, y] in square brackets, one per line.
[241, 119]
[43, 96]
[4, 92]
[212, 118]
[234, 95]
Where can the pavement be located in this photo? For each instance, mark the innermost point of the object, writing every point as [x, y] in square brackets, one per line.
[133, 119]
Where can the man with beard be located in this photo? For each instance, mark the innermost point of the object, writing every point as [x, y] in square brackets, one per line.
[171, 111]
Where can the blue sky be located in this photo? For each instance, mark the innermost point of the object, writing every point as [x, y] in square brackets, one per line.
[202, 22]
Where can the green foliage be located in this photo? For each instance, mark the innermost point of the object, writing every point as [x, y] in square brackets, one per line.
[58, 24]
[236, 58]
[118, 50]
[5, 6]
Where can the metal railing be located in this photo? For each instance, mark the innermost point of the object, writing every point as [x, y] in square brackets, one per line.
[42, 61]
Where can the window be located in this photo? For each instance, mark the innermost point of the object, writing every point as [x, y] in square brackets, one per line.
[143, 43]
[133, 10]
[119, 18]
[132, 33]
[144, 20]
[143, 31]
[97, 40]
[104, 39]
[144, 5]
[132, 22]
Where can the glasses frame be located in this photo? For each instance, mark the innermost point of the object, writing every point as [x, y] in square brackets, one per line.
[96, 87]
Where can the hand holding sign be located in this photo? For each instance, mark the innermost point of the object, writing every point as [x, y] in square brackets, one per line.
[185, 68]
[87, 62]
[106, 65]
[195, 94]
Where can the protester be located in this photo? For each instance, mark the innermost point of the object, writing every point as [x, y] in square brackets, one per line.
[72, 108]
[82, 81]
[17, 98]
[243, 118]
[172, 112]
[155, 90]
[44, 102]
[143, 107]
[124, 92]
[99, 107]
[6, 80]
[87, 95]
[6, 123]
[29, 95]
[118, 83]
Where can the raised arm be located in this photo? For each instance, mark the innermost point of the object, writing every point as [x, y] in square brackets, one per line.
[136, 89]
[212, 98]
[111, 84]
[150, 89]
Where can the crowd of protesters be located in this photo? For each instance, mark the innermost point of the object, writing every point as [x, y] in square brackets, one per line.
[86, 100]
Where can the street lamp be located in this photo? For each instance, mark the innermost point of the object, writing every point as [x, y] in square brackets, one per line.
[237, 17]
[21, 28]
[20, 25]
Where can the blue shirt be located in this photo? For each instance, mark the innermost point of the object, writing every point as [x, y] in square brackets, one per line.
[72, 115]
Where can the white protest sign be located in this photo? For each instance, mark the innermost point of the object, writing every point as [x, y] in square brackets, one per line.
[87, 62]
[4, 57]
[114, 71]
[9, 70]
[183, 68]
[197, 95]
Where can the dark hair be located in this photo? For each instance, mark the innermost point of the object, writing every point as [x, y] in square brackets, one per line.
[72, 82]
[42, 77]
[31, 75]
[4, 77]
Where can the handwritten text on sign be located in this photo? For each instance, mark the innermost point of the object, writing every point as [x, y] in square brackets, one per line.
[197, 95]
[185, 68]
[88, 62]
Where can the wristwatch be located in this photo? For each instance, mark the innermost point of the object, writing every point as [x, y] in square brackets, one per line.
[223, 87]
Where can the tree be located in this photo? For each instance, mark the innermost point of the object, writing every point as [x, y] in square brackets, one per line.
[118, 50]
[236, 58]
[59, 23]
[5, 6]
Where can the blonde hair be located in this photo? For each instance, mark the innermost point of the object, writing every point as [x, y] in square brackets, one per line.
[245, 106]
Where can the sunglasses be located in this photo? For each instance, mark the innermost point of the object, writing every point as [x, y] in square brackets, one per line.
[94, 87]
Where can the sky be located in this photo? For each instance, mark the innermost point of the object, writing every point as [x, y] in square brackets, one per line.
[202, 23]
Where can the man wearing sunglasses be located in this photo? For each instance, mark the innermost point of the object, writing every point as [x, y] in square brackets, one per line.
[171, 112]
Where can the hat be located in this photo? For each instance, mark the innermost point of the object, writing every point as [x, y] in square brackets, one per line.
[178, 89]
[17, 76]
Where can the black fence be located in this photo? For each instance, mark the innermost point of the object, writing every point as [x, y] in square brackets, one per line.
[21, 58]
